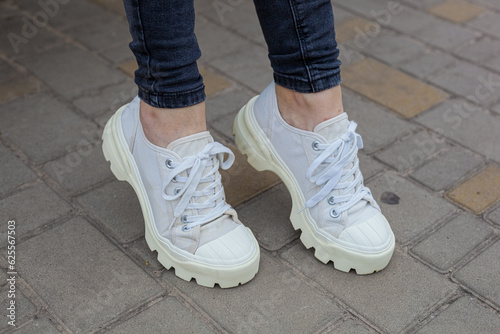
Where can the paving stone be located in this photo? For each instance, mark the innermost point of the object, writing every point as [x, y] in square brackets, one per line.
[391, 299]
[456, 11]
[118, 54]
[367, 8]
[488, 22]
[411, 151]
[450, 243]
[214, 82]
[24, 308]
[369, 166]
[427, 64]
[31, 208]
[116, 206]
[43, 128]
[271, 226]
[377, 126]
[115, 6]
[80, 169]
[351, 29]
[481, 51]
[481, 133]
[18, 87]
[479, 192]
[18, 173]
[398, 91]
[393, 48]
[493, 63]
[107, 99]
[57, 264]
[71, 71]
[349, 55]
[444, 170]
[227, 102]
[410, 21]
[224, 125]
[179, 318]
[129, 67]
[349, 326]
[8, 73]
[102, 32]
[494, 216]
[341, 15]
[481, 274]
[21, 37]
[423, 3]
[417, 210]
[3, 278]
[242, 182]
[465, 315]
[275, 301]
[149, 259]
[494, 4]
[40, 325]
[6, 9]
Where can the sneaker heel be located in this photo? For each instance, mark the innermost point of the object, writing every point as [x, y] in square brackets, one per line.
[110, 150]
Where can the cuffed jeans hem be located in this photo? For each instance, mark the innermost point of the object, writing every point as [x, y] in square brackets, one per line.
[173, 100]
[315, 86]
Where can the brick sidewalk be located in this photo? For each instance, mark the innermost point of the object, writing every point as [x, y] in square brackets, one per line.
[422, 80]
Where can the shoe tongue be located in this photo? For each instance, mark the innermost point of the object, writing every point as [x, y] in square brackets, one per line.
[333, 128]
[190, 145]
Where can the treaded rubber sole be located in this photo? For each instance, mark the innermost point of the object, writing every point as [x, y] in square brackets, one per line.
[124, 168]
[251, 141]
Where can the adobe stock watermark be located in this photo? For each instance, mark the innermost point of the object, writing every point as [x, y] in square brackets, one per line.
[31, 26]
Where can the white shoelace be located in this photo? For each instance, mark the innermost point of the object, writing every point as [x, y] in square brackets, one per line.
[329, 171]
[194, 166]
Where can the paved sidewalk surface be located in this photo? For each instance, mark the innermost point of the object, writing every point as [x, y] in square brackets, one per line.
[421, 78]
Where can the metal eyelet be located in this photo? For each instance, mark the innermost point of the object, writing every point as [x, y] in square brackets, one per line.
[168, 163]
[315, 145]
[331, 200]
[184, 219]
[334, 213]
[185, 228]
[177, 190]
[174, 180]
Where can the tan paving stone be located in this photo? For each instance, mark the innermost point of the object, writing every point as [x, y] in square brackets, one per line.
[214, 83]
[349, 29]
[391, 88]
[242, 182]
[456, 11]
[129, 67]
[19, 87]
[479, 192]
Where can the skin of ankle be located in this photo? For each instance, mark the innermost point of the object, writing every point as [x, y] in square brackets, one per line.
[306, 110]
[163, 126]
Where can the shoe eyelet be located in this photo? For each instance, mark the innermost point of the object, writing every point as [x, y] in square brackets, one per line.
[184, 219]
[174, 180]
[177, 190]
[334, 213]
[168, 163]
[331, 200]
[315, 145]
[185, 228]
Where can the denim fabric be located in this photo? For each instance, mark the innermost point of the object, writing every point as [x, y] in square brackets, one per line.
[299, 34]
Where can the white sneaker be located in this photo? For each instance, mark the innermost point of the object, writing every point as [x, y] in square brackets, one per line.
[188, 221]
[334, 210]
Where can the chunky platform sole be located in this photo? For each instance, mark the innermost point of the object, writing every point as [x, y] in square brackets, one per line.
[124, 168]
[252, 141]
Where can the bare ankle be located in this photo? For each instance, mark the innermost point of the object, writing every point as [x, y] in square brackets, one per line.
[305, 111]
[163, 126]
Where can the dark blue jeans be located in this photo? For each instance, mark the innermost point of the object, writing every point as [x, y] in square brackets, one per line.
[299, 34]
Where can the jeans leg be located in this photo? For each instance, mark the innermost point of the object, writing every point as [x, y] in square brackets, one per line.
[300, 36]
[166, 49]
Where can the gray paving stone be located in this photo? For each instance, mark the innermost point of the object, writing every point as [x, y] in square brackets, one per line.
[177, 319]
[493, 63]
[376, 125]
[452, 242]
[79, 170]
[71, 71]
[6, 9]
[107, 99]
[224, 125]
[465, 315]
[488, 22]
[84, 278]
[466, 124]
[40, 325]
[43, 128]
[31, 208]
[3, 278]
[411, 151]
[445, 169]
[445, 35]
[340, 14]
[149, 260]
[349, 326]
[481, 274]
[17, 173]
[391, 299]
[349, 55]
[411, 21]
[481, 51]
[369, 166]
[494, 216]
[363, 7]
[118, 54]
[102, 32]
[8, 73]
[468, 80]
[21, 37]
[393, 48]
[227, 102]
[417, 209]
[488, 3]
[24, 307]
[271, 226]
[424, 3]
[117, 208]
[428, 64]
[275, 301]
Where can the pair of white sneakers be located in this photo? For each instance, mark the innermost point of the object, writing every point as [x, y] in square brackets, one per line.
[194, 230]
